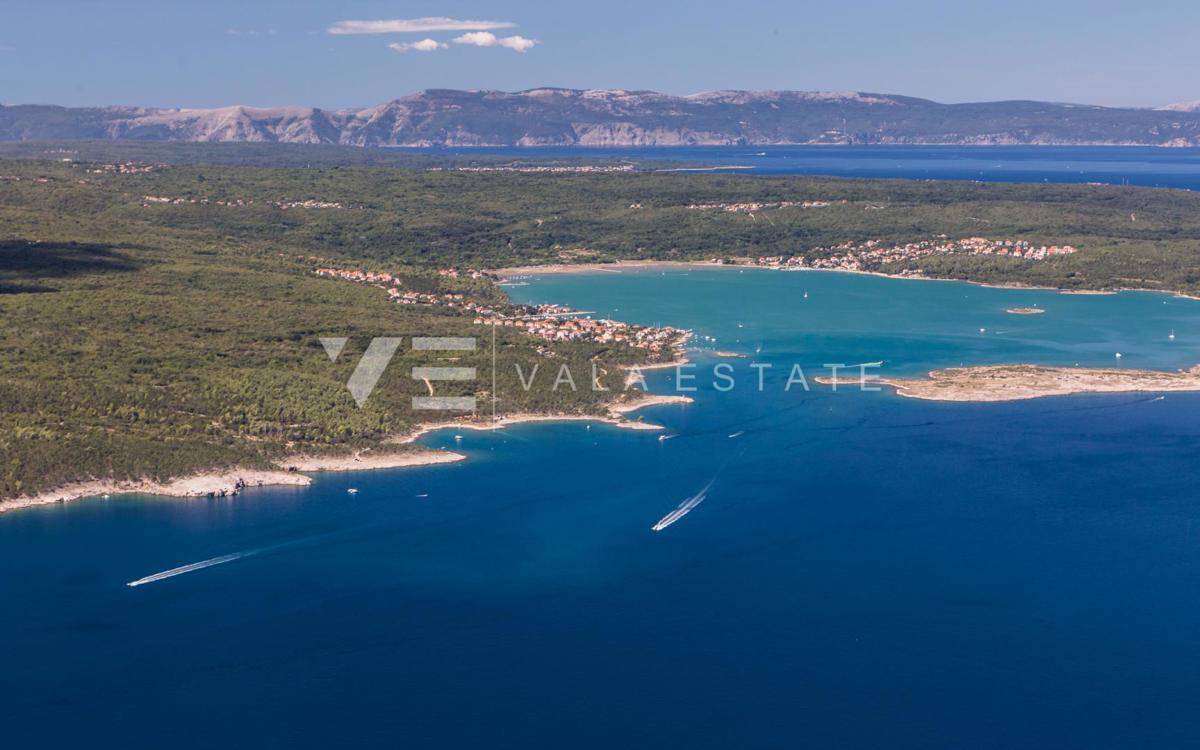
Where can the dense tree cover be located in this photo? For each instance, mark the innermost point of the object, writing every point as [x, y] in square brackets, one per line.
[152, 340]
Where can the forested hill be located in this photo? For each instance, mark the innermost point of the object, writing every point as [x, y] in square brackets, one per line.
[573, 117]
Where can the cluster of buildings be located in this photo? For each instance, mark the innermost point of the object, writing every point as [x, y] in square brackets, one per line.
[857, 256]
[556, 168]
[362, 277]
[126, 167]
[387, 281]
[454, 273]
[749, 208]
[547, 322]
[307, 204]
[557, 323]
[152, 200]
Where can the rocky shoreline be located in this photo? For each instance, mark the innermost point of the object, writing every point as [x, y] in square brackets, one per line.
[293, 471]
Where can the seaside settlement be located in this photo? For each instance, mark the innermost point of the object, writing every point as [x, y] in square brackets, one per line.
[862, 256]
[167, 200]
[557, 323]
[552, 323]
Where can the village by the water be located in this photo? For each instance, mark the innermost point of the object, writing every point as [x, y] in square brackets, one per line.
[872, 254]
[553, 323]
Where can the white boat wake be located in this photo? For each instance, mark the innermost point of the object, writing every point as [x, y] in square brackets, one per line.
[193, 567]
[684, 508]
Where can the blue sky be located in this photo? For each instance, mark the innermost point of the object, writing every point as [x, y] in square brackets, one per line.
[221, 52]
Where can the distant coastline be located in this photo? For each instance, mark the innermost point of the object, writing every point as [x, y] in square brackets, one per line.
[565, 117]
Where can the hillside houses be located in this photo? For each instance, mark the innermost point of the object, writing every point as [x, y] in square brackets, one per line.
[852, 256]
[159, 200]
[753, 207]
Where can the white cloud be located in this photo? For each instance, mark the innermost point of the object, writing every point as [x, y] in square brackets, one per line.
[425, 45]
[488, 39]
[478, 38]
[518, 43]
[415, 25]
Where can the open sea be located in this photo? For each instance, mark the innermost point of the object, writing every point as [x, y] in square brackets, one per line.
[1115, 165]
[859, 571]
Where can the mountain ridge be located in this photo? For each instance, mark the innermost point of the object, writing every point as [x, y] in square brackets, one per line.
[617, 117]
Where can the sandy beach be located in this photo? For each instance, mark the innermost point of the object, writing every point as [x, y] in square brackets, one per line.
[615, 267]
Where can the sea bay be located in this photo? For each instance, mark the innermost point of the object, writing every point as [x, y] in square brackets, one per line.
[862, 570]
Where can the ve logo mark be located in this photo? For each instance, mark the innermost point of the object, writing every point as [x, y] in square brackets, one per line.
[379, 354]
[370, 368]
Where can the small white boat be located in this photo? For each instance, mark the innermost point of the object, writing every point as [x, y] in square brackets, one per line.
[458, 438]
[352, 491]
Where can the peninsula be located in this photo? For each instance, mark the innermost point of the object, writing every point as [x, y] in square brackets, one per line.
[1020, 382]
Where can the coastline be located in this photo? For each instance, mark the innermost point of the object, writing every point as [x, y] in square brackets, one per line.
[293, 471]
[224, 482]
[615, 417]
[191, 485]
[614, 267]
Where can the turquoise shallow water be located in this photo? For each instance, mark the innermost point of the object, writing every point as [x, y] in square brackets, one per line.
[863, 570]
[912, 326]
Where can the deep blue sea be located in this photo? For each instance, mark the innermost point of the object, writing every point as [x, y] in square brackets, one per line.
[1133, 165]
[864, 570]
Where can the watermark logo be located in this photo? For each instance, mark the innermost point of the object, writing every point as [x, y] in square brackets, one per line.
[382, 350]
[379, 355]
[430, 374]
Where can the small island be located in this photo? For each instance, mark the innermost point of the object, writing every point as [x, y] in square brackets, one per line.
[1019, 382]
[1025, 311]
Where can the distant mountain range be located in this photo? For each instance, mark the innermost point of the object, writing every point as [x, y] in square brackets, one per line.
[572, 117]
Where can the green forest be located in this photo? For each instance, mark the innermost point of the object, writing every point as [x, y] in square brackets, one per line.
[167, 320]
